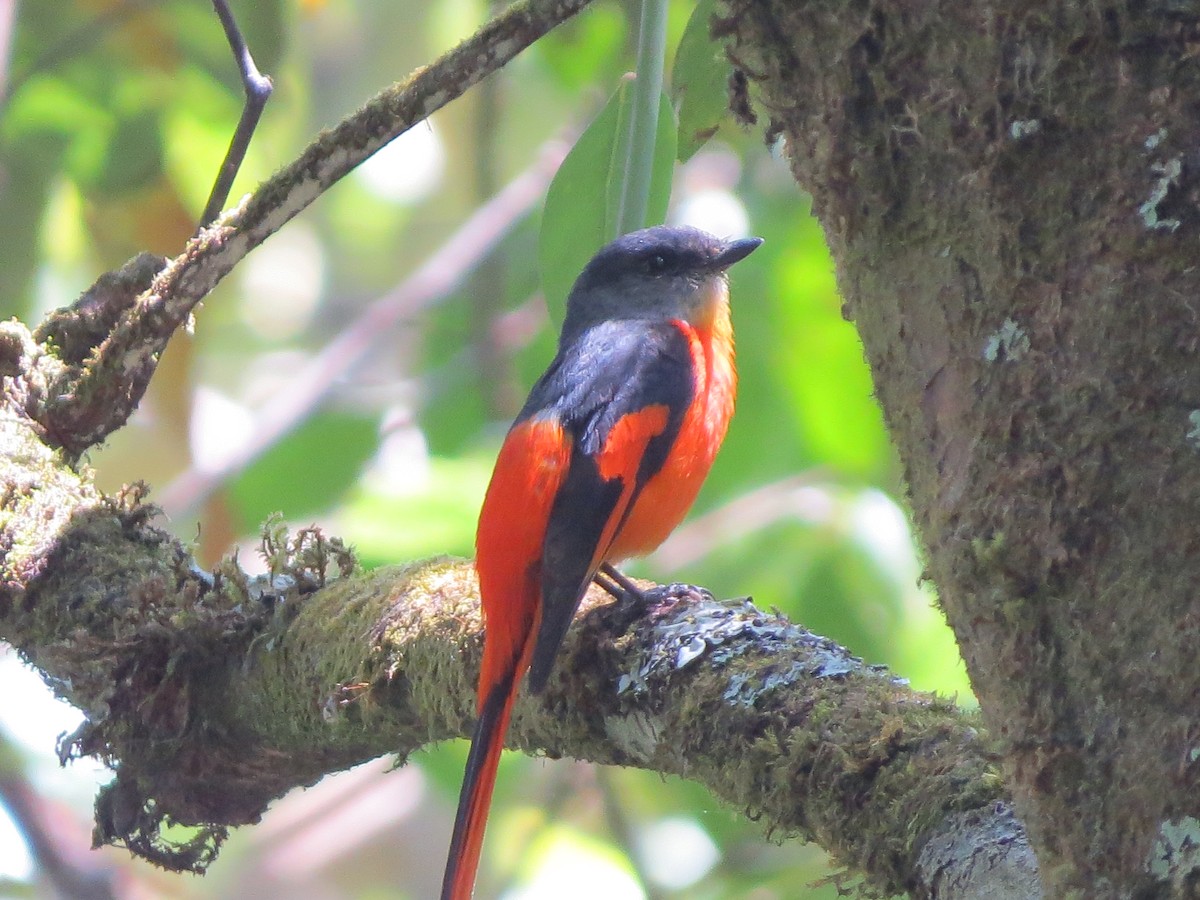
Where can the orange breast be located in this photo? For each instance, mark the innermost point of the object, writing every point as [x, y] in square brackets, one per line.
[668, 496]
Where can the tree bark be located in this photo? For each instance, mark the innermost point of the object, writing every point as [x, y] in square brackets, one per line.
[1010, 193]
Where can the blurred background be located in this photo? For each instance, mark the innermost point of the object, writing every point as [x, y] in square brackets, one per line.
[340, 377]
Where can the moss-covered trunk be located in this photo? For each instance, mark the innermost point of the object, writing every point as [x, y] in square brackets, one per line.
[1010, 193]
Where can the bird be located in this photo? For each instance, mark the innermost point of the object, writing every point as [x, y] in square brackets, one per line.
[602, 462]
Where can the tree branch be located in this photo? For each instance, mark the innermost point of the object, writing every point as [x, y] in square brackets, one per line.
[64, 865]
[257, 88]
[433, 280]
[86, 402]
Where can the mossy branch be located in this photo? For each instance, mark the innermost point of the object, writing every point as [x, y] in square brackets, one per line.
[213, 693]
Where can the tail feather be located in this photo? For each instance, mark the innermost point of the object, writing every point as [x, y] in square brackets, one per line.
[478, 781]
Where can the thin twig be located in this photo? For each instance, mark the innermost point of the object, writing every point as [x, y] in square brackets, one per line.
[806, 497]
[485, 289]
[258, 91]
[440, 274]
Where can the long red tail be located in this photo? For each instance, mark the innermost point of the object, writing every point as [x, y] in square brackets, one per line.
[475, 799]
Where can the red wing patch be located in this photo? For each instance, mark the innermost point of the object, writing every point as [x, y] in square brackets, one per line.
[512, 529]
[621, 459]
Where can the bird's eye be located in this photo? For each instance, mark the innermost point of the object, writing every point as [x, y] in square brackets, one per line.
[656, 264]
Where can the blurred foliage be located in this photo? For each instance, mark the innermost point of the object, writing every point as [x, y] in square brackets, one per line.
[115, 118]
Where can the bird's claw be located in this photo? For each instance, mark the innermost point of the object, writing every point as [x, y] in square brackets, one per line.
[677, 592]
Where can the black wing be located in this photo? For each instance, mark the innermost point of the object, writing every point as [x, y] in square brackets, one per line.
[611, 371]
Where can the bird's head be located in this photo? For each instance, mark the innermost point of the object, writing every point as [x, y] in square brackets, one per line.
[656, 274]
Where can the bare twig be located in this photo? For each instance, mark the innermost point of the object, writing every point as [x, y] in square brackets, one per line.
[258, 91]
[485, 289]
[440, 274]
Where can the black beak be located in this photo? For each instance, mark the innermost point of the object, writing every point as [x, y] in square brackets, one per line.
[735, 251]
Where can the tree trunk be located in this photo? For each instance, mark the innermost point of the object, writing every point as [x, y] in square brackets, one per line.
[1009, 191]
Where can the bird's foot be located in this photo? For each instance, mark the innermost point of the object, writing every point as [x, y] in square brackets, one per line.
[663, 598]
[676, 592]
[643, 600]
[620, 587]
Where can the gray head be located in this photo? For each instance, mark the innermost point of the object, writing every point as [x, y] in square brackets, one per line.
[659, 273]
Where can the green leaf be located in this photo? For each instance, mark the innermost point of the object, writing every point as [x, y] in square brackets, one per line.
[698, 83]
[582, 201]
